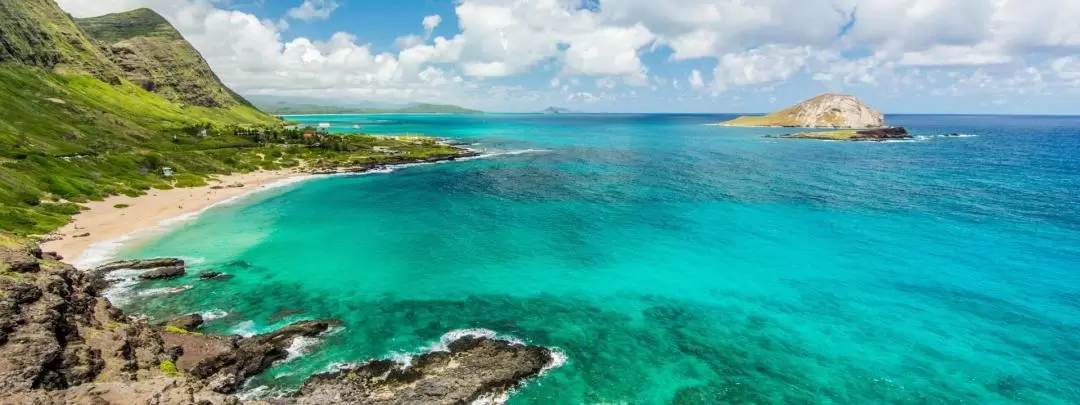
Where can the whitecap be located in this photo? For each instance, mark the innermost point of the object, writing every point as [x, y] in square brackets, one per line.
[245, 329]
[300, 346]
[163, 291]
[213, 314]
[491, 399]
[121, 283]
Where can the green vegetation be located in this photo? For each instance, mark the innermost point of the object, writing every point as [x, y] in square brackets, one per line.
[169, 368]
[121, 206]
[180, 331]
[286, 109]
[77, 126]
[39, 33]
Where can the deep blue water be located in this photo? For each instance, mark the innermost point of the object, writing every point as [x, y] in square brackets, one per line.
[676, 262]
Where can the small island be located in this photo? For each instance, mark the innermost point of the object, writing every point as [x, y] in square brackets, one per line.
[557, 110]
[851, 119]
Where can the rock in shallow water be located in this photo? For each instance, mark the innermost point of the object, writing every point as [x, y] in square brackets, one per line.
[210, 275]
[473, 368]
[163, 273]
[140, 264]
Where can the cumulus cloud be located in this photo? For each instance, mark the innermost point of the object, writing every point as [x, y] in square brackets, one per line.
[311, 10]
[950, 45]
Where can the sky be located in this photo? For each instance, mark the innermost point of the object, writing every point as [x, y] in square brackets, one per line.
[900, 56]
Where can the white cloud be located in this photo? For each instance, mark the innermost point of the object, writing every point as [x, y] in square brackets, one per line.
[605, 83]
[312, 10]
[1067, 68]
[759, 66]
[901, 45]
[430, 23]
[695, 79]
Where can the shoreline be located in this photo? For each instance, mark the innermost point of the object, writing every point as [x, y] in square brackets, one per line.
[103, 223]
[93, 234]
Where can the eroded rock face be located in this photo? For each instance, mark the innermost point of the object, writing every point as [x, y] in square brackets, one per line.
[57, 332]
[226, 371]
[474, 367]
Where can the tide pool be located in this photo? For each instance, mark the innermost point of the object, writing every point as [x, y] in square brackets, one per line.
[675, 262]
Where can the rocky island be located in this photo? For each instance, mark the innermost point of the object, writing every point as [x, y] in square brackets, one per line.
[61, 342]
[852, 120]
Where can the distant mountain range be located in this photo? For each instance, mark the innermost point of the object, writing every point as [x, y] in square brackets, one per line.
[282, 106]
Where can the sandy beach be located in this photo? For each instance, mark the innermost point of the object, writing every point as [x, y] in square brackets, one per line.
[104, 221]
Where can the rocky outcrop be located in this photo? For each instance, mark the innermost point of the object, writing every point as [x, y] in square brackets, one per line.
[226, 371]
[472, 368]
[141, 264]
[163, 273]
[881, 134]
[189, 322]
[56, 331]
[874, 135]
[824, 111]
[62, 343]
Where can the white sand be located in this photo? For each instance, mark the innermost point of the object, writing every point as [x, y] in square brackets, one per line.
[104, 222]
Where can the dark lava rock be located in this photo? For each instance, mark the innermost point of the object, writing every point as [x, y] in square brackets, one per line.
[163, 273]
[210, 275]
[140, 264]
[474, 367]
[226, 372]
[187, 322]
[881, 134]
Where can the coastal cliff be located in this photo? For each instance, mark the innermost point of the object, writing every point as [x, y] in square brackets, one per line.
[61, 342]
[823, 111]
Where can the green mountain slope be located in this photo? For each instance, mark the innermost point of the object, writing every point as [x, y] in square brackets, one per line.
[153, 55]
[72, 127]
[38, 33]
[82, 119]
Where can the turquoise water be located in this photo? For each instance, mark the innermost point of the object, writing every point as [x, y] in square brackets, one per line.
[675, 262]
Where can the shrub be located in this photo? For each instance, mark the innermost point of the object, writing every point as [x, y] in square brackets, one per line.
[169, 368]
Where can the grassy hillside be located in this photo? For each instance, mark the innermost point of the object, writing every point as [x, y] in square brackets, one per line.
[75, 126]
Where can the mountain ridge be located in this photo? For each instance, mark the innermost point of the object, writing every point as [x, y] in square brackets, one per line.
[151, 53]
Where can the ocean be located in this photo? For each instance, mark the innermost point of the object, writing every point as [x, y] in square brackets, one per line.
[672, 261]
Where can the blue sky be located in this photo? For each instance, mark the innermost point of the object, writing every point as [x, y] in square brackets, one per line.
[901, 56]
